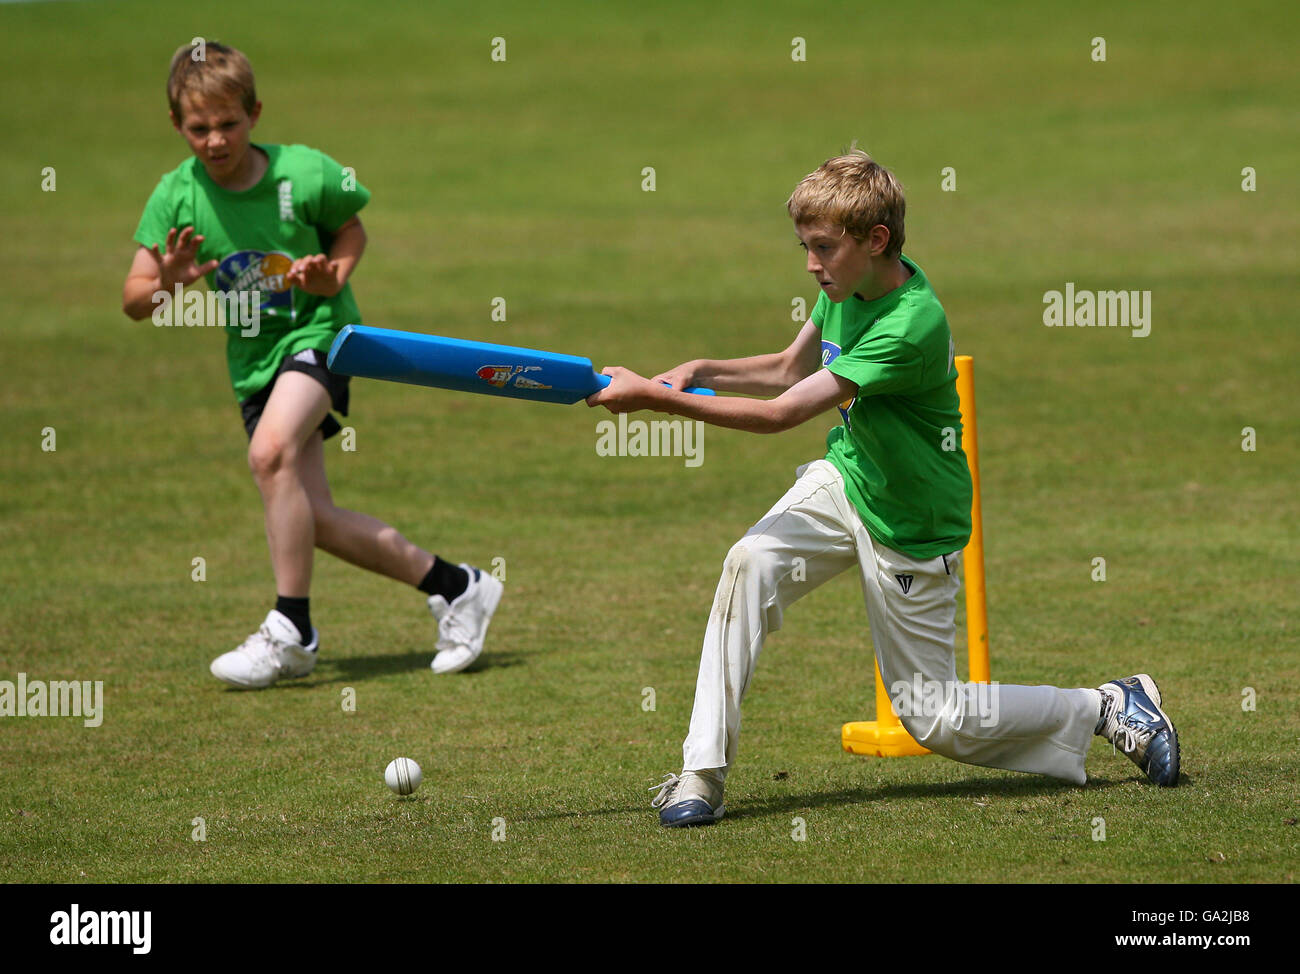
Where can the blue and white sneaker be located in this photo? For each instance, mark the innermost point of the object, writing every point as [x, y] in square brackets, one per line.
[691, 798]
[1133, 721]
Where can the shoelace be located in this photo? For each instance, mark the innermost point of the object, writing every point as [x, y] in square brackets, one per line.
[1131, 734]
[259, 643]
[262, 643]
[454, 629]
[666, 789]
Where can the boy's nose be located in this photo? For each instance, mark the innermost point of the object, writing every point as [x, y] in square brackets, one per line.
[813, 265]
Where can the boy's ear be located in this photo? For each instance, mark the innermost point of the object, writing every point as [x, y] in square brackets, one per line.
[255, 114]
[879, 239]
[176, 124]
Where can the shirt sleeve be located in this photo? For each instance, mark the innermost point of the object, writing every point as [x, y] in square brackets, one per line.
[819, 310]
[159, 216]
[881, 366]
[342, 196]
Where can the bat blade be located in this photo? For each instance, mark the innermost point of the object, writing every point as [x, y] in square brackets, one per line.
[465, 366]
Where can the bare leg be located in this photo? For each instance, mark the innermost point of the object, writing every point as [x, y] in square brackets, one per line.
[357, 538]
[295, 409]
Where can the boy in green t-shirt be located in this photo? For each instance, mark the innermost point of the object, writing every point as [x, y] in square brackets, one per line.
[888, 499]
[274, 230]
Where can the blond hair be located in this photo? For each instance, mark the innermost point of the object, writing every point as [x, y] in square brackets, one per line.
[221, 72]
[855, 192]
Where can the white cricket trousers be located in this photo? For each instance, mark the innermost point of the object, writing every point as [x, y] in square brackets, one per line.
[811, 535]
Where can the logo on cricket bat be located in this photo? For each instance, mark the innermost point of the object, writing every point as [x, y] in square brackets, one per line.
[496, 375]
[500, 376]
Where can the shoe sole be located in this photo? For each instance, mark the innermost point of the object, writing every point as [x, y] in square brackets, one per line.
[254, 686]
[494, 599]
[1151, 690]
[212, 668]
[454, 669]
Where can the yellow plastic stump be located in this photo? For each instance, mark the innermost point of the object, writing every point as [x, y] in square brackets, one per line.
[886, 737]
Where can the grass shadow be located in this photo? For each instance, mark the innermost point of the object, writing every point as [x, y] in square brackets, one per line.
[351, 669]
[1030, 787]
[1034, 786]
[360, 667]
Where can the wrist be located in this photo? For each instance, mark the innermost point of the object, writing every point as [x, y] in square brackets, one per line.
[340, 274]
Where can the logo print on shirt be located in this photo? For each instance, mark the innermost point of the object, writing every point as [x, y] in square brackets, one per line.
[830, 352]
[905, 582]
[256, 270]
[286, 200]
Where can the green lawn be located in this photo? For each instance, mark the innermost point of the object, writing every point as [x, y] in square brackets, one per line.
[522, 179]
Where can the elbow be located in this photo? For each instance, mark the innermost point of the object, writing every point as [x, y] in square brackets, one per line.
[134, 309]
[138, 301]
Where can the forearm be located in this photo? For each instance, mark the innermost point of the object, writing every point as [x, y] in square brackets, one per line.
[758, 375]
[345, 252]
[809, 397]
[738, 413]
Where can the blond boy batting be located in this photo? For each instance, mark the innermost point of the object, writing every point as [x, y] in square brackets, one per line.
[277, 225]
[887, 499]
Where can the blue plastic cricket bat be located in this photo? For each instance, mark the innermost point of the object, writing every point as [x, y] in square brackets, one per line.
[453, 363]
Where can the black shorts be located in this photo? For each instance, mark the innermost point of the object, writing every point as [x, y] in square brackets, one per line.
[312, 362]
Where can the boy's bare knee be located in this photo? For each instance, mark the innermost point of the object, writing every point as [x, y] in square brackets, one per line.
[269, 455]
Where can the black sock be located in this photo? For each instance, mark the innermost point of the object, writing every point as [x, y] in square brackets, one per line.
[298, 612]
[445, 579]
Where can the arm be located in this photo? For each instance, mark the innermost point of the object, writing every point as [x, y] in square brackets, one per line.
[326, 276]
[758, 375]
[807, 398]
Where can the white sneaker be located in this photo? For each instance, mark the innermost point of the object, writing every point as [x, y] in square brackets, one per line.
[272, 653]
[462, 624]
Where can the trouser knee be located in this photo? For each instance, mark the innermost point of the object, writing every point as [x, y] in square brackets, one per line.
[750, 577]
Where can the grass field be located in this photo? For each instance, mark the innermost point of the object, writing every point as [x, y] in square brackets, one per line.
[522, 179]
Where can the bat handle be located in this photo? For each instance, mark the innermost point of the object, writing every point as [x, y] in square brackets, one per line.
[693, 390]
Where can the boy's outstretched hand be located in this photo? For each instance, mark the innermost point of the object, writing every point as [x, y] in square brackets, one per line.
[316, 274]
[176, 265]
[627, 392]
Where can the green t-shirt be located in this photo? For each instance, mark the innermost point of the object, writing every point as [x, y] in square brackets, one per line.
[292, 212]
[913, 495]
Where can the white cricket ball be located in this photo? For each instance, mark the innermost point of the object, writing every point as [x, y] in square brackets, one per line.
[403, 775]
